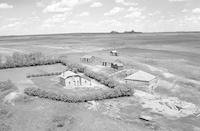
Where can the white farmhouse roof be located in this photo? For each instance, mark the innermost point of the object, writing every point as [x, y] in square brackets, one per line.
[68, 74]
[141, 76]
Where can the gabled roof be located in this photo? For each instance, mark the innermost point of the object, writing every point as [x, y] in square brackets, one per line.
[85, 77]
[68, 74]
[141, 76]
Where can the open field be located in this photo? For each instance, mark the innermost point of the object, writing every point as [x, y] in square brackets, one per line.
[173, 57]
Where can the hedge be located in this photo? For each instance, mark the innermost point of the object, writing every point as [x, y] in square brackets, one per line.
[100, 77]
[118, 91]
[46, 74]
[26, 60]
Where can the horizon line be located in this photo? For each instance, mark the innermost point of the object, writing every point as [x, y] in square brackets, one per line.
[48, 34]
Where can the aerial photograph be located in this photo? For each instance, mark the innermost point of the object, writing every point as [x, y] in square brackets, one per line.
[99, 65]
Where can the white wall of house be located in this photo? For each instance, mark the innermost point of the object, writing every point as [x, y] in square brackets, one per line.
[144, 85]
[76, 81]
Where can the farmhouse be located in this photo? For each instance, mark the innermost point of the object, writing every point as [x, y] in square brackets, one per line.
[117, 65]
[87, 58]
[71, 79]
[143, 81]
[114, 53]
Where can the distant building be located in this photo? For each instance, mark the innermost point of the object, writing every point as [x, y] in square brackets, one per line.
[87, 59]
[114, 32]
[71, 79]
[114, 53]
[143, 81]
[106, 63]
[116, 65]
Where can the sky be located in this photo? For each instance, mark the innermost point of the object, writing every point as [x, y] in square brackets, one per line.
[23, 17]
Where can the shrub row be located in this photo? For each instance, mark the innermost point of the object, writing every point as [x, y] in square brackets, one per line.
[119, 91]
[26, 60]
[46, 74]
[38, 63]
[100, 77]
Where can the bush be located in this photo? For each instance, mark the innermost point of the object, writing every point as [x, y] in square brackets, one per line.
[46, 74]
[119, 91]
[25, 60]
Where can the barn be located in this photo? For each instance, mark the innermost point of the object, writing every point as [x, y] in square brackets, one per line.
[114, 53]
[106, 63]
[143, 81]
[87, 59]
[71, 79]
[117, 65]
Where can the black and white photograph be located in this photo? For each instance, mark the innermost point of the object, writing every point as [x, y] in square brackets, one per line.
[99, 65]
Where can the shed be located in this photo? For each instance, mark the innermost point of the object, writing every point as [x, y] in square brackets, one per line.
[117, 65]
[106, 63]
[143, 80]
[87, 58]
[114, 53]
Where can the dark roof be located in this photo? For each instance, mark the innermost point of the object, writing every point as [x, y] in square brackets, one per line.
[117, 63]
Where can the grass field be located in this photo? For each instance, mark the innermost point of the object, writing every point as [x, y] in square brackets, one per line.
[173, 57]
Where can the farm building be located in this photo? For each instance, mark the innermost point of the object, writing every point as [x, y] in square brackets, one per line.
[106, 63]
[87, 59]
[114, 53]
[143, 81]
[117, 65]
[71, 79]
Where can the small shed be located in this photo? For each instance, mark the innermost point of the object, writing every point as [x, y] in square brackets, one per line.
[106, 63]
[87, 59]
[143, 81]
[71, 79]
[117, 65]
[114, 53]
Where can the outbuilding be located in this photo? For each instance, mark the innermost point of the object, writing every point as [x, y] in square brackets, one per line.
[87, 59]
[71, 79]
[143, 81]
[106, 63]
[117, 65]
[114, 53]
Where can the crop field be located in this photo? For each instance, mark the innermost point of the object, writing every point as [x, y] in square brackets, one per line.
[173, 57]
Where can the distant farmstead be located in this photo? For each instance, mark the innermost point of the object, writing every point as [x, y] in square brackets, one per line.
[71, 79]
[87, 59]
[114, 53]
[143, 81]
